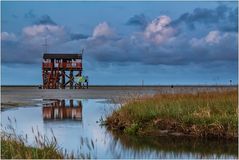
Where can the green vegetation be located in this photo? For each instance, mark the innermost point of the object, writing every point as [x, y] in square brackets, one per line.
[17, 150]
[15, 147]
[205, 114]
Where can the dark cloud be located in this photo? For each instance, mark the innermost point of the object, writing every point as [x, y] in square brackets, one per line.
[124, 50]
[17, 53]
[177, 52]
[30, 15]
[29, 45]
[77, 36]
[223, 17]
[232, 24]
[138, 20]
[45, 19]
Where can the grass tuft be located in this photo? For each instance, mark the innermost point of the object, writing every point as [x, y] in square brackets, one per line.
[15, 147]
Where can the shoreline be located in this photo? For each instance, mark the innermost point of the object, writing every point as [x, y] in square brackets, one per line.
[13, 97]
[174, 134]
[19, 96]
[206, 115]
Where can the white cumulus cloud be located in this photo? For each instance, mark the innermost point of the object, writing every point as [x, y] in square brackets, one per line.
[213, 37]
[102, 29]
[36, 30]
[5, 36]
[36, 34]
[159, 31]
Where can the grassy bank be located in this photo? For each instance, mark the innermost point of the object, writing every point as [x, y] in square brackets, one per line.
[208, 114]
[14, 147]
[17, 150]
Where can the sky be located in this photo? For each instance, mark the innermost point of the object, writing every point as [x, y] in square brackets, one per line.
[125, 43]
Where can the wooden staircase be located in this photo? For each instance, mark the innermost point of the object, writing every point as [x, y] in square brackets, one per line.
[53, 78]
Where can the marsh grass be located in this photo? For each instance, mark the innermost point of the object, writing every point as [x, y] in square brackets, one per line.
[12, 148]
[15, 146]
[204, 114]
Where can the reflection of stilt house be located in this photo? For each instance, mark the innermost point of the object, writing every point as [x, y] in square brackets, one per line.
[59, 110]
[61, 70]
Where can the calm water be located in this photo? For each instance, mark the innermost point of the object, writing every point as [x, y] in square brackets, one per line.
[74, 121]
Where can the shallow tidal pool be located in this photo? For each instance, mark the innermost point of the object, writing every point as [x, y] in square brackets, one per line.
[76, 126]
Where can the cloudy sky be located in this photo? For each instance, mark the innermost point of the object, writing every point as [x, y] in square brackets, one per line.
[124, 42]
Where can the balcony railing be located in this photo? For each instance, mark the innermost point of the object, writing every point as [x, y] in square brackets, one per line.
[66, 65]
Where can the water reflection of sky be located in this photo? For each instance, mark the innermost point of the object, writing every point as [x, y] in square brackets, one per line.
[69, 133]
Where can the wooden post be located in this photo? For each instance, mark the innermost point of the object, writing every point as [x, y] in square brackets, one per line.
[71, 79]
[63, 79]
[80, 85]
[71, 103]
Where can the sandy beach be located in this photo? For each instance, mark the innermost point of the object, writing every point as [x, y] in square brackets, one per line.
[13, 96]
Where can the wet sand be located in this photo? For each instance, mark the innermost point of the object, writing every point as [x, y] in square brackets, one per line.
[13, 96]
